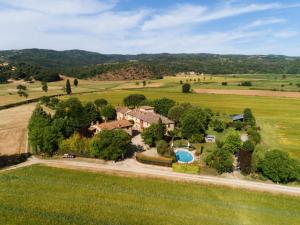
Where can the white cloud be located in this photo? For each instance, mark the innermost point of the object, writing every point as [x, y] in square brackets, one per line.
[265, 22]
[185, 14]
[66, 7]
[286, 34]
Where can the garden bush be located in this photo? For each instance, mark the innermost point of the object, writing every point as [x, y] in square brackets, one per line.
[279, 167]
[158, 161]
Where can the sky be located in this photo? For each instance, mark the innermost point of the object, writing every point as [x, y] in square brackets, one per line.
[153, 26]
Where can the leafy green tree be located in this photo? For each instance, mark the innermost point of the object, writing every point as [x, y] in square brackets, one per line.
[233, 142]
[44, 86]
[152, 134]
[51, 137]
[144, 83]
[71, 114]
[163, 105]
[186, 88]
[161, 130]
[75, 82]
[110, 145]
[109, 112]
[37, 123]
[22, 91]
[76, 145]
[279, 167]
[194, 121]
[221, 160]
[68, 87]
[218, 125]
[248, 117]
[91, 113]
[175, 113]
[101, 102]
[254, 135]
[133, 100]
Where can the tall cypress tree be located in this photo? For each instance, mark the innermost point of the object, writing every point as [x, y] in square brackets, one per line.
[160, 130]
[68, 87]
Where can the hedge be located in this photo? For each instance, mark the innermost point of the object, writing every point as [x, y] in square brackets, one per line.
[9, 160]
[158, 161]
[28, 101]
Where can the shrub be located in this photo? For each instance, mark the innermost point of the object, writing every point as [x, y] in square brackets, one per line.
[218, 125]
[246, 83]
[163, 149]
[221, 160]
[180, 143]
[248, 117]
[186, 88]
[238, 125]
[76, 145]
[159, 161]
[224, 83]
[197, 138]
[254, 135]
[279, 167]
[248, 146]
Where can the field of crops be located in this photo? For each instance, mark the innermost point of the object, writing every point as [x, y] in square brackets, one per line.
[42, 195]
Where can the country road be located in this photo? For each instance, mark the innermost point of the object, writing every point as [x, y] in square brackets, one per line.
[131, 167]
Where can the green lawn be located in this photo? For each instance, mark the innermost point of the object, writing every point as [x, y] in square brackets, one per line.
[42, 195]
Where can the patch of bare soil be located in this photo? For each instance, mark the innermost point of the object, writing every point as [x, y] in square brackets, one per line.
[250, 93]
[13, 129]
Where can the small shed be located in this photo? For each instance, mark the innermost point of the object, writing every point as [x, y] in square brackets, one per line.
[238, 117]
[210, 138]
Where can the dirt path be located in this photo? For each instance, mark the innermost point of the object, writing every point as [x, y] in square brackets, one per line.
[250, 93]
[131, 167]
[13, 129]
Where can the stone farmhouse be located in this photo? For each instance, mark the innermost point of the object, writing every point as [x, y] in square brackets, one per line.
[143, 117]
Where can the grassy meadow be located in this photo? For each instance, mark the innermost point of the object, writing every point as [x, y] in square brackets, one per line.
[43, 195]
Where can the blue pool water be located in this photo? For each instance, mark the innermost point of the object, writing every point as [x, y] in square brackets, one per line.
[184, 156]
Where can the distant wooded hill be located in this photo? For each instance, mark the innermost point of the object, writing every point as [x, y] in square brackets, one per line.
[83, 64]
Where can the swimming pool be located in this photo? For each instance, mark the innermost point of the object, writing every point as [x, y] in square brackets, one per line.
[184, 156]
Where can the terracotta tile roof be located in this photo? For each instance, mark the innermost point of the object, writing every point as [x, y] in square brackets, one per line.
[149, 117]
[122, 109]
[117, 124]
[146, 107]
